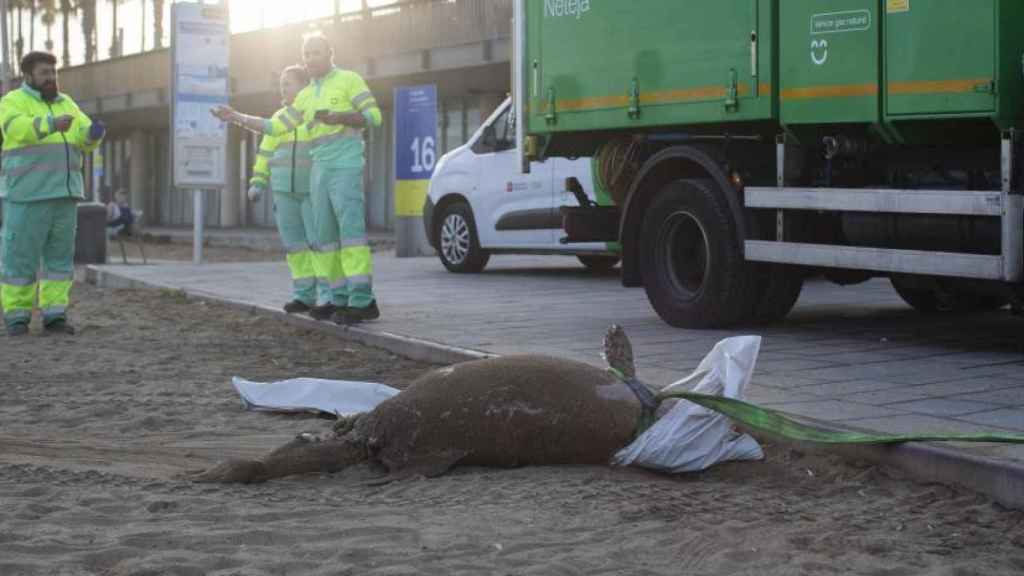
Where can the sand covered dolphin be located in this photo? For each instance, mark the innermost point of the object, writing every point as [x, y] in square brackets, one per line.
[502, 412]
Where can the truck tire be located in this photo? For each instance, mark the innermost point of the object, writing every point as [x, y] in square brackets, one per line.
[780, 289]
[458, 245]
[692, 268]
[940, 299]
[778, 285]
[598, 264]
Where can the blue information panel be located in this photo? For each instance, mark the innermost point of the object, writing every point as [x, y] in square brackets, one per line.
[415, 146]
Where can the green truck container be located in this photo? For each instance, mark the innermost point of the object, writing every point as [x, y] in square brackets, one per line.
[858, 138]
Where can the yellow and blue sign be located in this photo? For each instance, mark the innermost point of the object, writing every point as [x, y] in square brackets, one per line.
[415, 146]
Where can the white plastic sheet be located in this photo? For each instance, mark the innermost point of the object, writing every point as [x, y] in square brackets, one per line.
[340, 397]
[690, 437]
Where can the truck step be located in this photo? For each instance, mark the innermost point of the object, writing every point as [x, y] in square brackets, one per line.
[956, 202]
[879, 259]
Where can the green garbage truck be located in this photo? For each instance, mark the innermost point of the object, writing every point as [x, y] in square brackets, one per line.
[748, 144]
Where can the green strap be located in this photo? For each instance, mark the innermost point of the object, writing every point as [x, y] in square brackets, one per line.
[770, 421]
[775, 423]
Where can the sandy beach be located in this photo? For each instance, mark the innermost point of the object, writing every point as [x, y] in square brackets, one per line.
[98, 431]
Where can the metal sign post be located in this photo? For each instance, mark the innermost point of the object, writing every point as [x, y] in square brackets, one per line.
[415, 156]
[200, 47]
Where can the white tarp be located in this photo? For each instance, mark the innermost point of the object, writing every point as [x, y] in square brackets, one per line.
[340, 397]
[690, 437]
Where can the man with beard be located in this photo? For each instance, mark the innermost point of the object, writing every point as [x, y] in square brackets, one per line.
[45, 136]
[334, 109]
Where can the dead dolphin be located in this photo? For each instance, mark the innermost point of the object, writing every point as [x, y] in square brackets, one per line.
[502, 412]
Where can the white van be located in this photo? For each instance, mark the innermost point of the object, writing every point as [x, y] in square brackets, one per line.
[480, 203]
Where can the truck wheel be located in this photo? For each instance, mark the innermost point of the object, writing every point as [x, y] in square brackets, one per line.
[458, 243]
[778, 285]
[692, 267]
[598, 264]
[780, 289]
[940, 299]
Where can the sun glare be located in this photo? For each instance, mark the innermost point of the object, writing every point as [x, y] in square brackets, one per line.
[254, 14]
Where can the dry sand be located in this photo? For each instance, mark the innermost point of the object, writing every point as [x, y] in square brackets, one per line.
[97, 430]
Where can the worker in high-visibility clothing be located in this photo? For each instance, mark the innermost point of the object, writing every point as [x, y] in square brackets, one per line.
[334, 107]
[45, 136]
[283, 166]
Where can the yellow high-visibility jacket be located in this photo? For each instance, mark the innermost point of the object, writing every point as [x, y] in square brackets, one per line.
[338, 91]
[40, 163]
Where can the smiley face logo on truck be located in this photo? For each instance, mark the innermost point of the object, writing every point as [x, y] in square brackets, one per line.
[819, 51]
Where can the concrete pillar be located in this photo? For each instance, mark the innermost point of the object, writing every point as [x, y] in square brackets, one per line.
[231, 198]
[138, 172]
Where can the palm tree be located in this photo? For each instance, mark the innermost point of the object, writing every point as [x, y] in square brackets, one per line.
[115, 49]
[49, 8]
[88, 8]
[32, 5]
[67, 9]
[158, 23]
[19, 44]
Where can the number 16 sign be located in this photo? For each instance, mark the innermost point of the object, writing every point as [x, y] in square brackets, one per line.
[415, 146]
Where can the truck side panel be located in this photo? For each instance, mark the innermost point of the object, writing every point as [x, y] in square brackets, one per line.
[829, 63]
[940, 58]
[603, 64]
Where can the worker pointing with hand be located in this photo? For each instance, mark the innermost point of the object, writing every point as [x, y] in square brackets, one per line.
[334, 108]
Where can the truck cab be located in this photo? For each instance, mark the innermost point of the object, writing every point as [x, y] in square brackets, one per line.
[481, 203]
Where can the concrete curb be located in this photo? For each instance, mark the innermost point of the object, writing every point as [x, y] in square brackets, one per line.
[409, 347]
[1001, 481]
[929, 462]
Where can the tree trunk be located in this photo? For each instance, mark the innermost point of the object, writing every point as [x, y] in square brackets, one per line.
[89, 28]
[158, 24]
[21, 38]
[32, 26]
[65, 9]
[115, 50]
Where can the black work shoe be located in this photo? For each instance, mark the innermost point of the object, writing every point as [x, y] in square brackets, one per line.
[350, 316]
[17, 329]
[323, 311]
[59, 326]
[297, 307]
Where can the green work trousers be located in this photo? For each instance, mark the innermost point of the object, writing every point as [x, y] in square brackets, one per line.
[294, 216]
[38, 257]
[342, 250]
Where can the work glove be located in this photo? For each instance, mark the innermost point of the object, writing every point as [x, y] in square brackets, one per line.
[97, 130]
[254, 193]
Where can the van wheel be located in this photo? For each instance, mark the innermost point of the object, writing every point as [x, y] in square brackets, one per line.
[598, 264]
[458, 243]
[692, 267]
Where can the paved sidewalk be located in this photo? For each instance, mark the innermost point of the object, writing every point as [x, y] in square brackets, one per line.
[855, 356]
[252, 238]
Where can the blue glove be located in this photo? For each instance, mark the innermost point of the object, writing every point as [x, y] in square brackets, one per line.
[97, 130]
